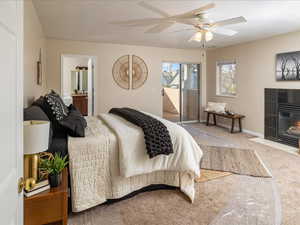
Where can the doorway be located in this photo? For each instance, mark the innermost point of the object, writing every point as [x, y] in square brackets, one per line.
[181, 91]
[77, 82]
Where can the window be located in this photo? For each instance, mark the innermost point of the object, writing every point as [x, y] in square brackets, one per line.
[226, 83]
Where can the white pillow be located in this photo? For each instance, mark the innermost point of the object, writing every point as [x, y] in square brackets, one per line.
[216, 107]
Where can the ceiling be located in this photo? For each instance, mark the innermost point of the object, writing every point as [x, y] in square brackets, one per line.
[90, 20]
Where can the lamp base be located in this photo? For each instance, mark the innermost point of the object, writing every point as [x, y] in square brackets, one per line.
[31, 163]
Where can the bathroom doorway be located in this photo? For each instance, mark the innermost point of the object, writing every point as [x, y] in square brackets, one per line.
[77, 82]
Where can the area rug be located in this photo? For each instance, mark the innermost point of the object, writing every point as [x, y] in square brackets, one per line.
[234, 160]
[207, 175]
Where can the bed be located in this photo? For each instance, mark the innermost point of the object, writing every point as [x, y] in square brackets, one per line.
[110, 162]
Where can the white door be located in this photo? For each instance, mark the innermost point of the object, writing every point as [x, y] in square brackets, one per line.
[11, 110]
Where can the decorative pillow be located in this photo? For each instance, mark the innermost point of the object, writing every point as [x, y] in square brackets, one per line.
[43, 104]
[76, 112]
[58, 107]
[74, 124]
[216, 107]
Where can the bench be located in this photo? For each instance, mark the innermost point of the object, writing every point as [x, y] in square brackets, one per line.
[233, 117]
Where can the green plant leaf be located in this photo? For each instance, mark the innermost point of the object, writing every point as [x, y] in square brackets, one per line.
[54, 165]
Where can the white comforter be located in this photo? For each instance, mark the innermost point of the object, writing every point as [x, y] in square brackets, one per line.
[133, 156]
[98, 162]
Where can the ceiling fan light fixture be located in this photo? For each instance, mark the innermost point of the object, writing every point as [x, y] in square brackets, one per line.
[208, 36]
[198, 36]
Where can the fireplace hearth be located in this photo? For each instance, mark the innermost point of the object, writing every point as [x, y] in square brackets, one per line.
[282, 115]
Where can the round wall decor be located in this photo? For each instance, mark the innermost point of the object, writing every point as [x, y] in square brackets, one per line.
[121, 72]
[123, 76]
[139, 72]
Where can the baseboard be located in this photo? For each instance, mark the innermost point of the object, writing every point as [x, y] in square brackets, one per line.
[244, 130]
[276, 145]
[253, 133]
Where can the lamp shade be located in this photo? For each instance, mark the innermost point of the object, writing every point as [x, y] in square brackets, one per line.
[36, 136]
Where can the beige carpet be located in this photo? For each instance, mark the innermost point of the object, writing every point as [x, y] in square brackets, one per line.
[170, 207]
[235, 160]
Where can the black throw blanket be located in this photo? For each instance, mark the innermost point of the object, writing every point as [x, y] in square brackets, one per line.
[157, 137]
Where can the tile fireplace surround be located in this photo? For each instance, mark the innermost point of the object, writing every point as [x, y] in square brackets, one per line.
[282, 115]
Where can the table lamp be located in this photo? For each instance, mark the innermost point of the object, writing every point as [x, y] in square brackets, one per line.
[36, 140]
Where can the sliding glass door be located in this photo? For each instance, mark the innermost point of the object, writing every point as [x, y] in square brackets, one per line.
[190, 92]
[180, 82]
[171, 91]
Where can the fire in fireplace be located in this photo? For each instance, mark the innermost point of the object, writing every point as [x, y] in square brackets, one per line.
[294, 130]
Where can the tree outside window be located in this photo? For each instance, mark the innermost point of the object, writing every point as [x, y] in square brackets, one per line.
[226, 80]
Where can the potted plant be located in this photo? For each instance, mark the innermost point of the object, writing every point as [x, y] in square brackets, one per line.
[53, 166]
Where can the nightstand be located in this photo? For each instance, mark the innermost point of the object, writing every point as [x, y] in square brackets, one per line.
[48, 207]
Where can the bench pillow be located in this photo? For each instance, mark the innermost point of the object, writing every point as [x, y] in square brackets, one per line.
[216, 107]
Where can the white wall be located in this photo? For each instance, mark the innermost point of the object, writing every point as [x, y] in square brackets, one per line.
[108, 93]
[33, 41]
[255, 72]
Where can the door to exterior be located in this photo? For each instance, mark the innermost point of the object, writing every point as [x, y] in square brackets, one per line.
[11, 111]
[171, 91]
[190, 92]
[181, 92]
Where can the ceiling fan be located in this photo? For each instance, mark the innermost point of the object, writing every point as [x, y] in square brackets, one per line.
[198, 18]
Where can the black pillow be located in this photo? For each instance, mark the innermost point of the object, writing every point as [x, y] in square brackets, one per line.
[76, 112]
[58, 107]
[74, 124]
[43, 104]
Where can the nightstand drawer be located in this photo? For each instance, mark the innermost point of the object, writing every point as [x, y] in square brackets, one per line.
[43, 211]
[49, 206]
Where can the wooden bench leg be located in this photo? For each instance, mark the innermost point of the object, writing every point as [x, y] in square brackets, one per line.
[207, 119]
[232, 125]
[240, 124]
[215, 120]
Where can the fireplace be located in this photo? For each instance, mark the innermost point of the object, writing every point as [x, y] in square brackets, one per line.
[282, 115]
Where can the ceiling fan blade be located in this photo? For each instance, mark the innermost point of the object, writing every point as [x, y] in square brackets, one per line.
[182, 30]
[153, 9]
[235, 20]
[192, 13]
[204, 8]
[223, 31]
[140, 22]
[160, 27]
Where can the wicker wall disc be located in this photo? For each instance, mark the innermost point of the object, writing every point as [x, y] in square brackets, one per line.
[120, 72]
[139, 72]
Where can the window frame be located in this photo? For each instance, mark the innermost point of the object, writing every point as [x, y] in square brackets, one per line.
[218, 78]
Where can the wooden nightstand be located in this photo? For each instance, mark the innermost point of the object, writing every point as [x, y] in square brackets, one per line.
[48, 207]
